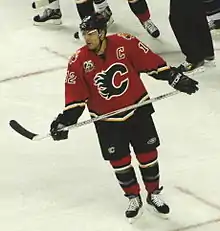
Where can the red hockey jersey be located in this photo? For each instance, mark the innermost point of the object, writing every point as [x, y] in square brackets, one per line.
[111, 82]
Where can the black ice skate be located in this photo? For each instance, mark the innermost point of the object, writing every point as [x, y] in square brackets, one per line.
[107, 13]
[214, 24]
[151, 28]
[210, 61]
[187, 67]
[134, 208]
[49, 16]
[157, 203]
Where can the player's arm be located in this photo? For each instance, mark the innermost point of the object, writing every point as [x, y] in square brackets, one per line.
[144, 60]
[76, 95]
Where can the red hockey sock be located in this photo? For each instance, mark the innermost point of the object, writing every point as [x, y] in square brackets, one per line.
[126, 175]
[140, 9]
[149, 169]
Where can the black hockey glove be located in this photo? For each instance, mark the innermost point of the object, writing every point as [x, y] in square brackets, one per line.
[57, 124]
[182, 82]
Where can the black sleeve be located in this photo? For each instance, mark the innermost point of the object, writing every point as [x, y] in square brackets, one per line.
[72, 115]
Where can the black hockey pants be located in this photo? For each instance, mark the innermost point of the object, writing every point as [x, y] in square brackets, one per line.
[190, 26]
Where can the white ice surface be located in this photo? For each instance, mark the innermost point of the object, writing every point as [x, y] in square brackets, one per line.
[66, 186]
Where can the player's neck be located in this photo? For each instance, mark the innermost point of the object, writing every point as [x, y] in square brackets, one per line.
[101, 51]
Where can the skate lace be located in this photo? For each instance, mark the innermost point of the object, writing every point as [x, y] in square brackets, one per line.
[157, 200]
[47, 12]
[149, 25]
[211, 24]
[133, 204]
[107, 13]
[186, 64]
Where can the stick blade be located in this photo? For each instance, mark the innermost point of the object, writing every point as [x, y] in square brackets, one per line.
[21, 130]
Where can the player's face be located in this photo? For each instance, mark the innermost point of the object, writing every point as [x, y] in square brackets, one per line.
[92, 39]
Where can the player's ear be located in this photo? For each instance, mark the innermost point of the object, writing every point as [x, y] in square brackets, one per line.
[102, 34]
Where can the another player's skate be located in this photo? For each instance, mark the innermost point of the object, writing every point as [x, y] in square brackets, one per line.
[151, 28]
[51, 16]
[107, 13]
[210, 61]
[134, 210]
[192, 68]
[214, 24]
[154, 200]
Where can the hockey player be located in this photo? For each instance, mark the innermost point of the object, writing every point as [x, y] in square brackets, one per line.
[86, 8]
[213, 13]
[105, 75]
[192, 33]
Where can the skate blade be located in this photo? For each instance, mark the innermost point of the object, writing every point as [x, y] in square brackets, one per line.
[48, 22]
[110, 22]
[154, 212]
[210, 63]
[195, 71]
[132, 220]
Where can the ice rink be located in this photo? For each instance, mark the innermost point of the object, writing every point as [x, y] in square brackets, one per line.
[66, 186]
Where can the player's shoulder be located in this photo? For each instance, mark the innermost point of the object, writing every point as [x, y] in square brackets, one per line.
[121, 37]
[78, 55]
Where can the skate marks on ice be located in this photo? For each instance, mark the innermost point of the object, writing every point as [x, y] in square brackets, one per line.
[31, 74]
[156, 225]
[39, 72]
[198, 225]
[203, 201]
[56, 53]
[188, 212]
[197, 197]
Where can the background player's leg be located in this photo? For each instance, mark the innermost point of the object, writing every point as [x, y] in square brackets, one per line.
[191, 31]
[213, 13]
[52, 14]
[204, 33]
[85, 8]
[141, 10]
[103, 8]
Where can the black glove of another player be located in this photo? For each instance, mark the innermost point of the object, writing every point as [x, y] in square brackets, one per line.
[182, 82]
[57, 124]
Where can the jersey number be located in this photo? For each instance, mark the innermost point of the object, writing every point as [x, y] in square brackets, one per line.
[70, 78]
[143, 47]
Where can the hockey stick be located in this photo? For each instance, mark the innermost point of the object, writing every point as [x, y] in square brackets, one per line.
[33, 136]
[40, 3]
